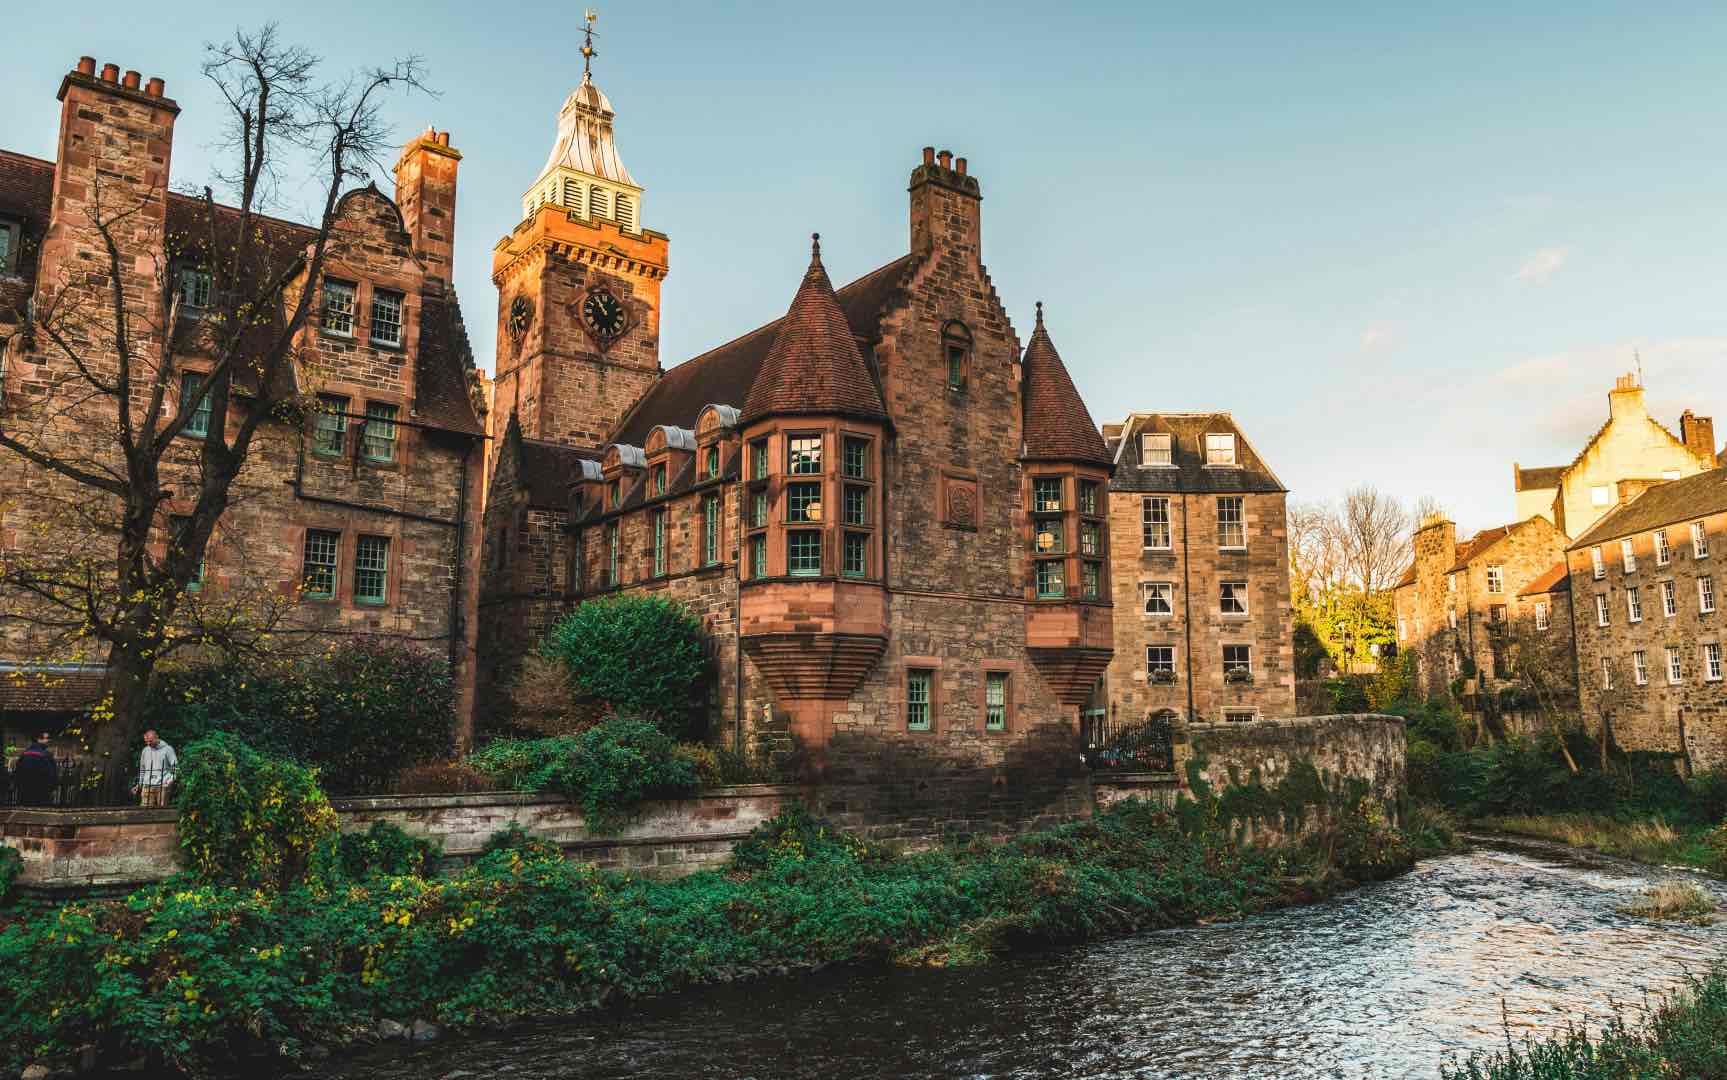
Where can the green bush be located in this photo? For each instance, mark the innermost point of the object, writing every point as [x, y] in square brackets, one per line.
[607, 769]
[641, 655]
[383, 849]
[247, 818]
[11, 865]
[361, 712]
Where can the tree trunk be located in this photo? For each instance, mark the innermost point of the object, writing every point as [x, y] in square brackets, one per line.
[1559, 734]
[1606, 737]
[116, 738]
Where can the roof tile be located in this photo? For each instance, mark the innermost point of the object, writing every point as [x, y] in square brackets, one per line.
[1057, 424]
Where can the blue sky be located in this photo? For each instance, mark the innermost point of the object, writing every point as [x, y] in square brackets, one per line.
[1403, 246]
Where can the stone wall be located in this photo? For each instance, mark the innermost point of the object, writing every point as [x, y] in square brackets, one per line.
[1366, 747]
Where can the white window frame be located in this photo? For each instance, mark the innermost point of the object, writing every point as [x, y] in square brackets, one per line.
[1633, 604]
[1600, 495]
[1601, 617]
[1220, 449]
[381, 301]
[1451, 617]
[1235, 592]
[1606, 673]
[1150, 589]
[1663, 550]
[193, 285]
[1711, 661]
[1149, 668]
[1239, 504]
[337, 316]
[1705, 594]
[1669, 599]
[1639, 668]
[1150, 507]
[1699, 541]
[1495, 580]
[1229, 666]
[1597, 563]
[1675, 669]
[1542, 617]
[1157, 450]
[1240, 716]
[1628, 555]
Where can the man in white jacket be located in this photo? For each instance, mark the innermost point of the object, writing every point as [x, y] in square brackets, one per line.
[156, 767]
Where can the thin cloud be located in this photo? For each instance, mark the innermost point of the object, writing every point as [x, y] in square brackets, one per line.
[1542, 265]
[1375, 337]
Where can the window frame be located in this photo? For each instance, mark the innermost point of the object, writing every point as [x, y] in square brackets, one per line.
[660, 560]
[1243, 664]
[1543, 615]
[198, 421]
[1147, 592]
[711, 529]
[1597, 563]
[12, 255]
[850, 539]
[1669, 599]
[914, 678]
[1227, 593]
[1663, 549]
[205, 280]
[1222, 445]
[1628, 556]
[1602, 615]
[795, 464]
[1153, 665]
[1495, 580]
[956, 352]
[349, 314]
[1240, 506]
[1699, 540]
[1639, 668]
[1711, 653]
[796, 490]
[338, 415]
[1633, 604]
[995, 712]
[1706, 594]
[377, 306]
[382, 597]
[333, 567]
[1148, 458]
[1050, 579]
[849, 443]
[797, 546]
[1675, 666]
[390, 436]
[1148, 523]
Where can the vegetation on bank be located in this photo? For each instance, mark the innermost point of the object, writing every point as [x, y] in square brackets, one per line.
[263, 954]
[1684, 1038]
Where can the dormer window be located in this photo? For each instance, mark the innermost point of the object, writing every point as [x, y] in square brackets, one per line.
[1220, 449]
[612, 495]
[713, 462]
[1156, 449]
[659, 479]
[956, 348]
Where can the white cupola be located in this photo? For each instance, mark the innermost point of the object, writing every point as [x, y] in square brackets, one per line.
[584, 174]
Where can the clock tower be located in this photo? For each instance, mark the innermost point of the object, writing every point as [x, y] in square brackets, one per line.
[579, 285]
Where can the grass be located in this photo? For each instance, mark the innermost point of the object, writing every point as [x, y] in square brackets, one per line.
[1647, 840]
[1680, 901]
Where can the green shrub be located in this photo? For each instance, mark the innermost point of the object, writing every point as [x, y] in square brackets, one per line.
[607, 769]
[1348, 694]
[11, 865]
[247, 818]
[361, 712]
[641, 655]
[383, 849]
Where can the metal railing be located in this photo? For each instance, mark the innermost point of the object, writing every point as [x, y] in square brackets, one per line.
[72, 784]
[1146, 745]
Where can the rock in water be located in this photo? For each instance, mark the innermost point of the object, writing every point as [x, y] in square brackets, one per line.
[425, 1032]
[389, 1029]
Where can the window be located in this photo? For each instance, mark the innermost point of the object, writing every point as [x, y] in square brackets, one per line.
[1090, 538]
[1542, 618]
[371, 569]
[1047, 536]
[1451, 618]
[1669, 599]
[1699, 541]
[1239, 716]
[1712, 662]
[612, 492]
[338, 308]
[759, 460]
[1600, 610]
[758, 556]
[917, 700]
[1091, 580]
[1674, 674]
[1046, 494]
[710, 530]
[1220, 449]
[1606, 673]
[1705, 594]
[1596, 563]
[758, 509]
[1496, 614]
[1049, 579]
[1634, 604]
[1628, 556]
[1156, 450]
[804, 456]
[855, 561]
[330, 425]
[9, 244]
[854, 461]
[803, 553]
[659, 478]
[804, 502]
[318, 565]
[713, 462]
[1159, 658]
[1155, 514]
[1451, 583]
[1232, 597]
[856, 505]
[612, 555]
[1495, 580]
[1639, 669]
[199, 422]
[660, 544]
[178, 528]
[1600, 495]
[1237, 660]
[1663, 552]
[191, 288]
[1088, 498]
[1159, 597]
[380, 431]
[386, 317]
[995, 701]
[956, 347]
[1402, 629]
[1231, 532]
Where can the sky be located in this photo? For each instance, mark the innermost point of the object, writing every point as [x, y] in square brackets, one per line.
[1404, 245]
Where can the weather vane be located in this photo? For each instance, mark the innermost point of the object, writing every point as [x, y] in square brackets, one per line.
[588, 52]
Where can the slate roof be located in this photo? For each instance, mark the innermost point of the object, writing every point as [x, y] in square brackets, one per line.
[1469, 550]
[1189, 473]
[724, 375]
[445, 358]
[1057, 425]
[546, 470]
[1407, 579]
[1556, 580]
[50, 687]
[1540, 479]
[1669, 503]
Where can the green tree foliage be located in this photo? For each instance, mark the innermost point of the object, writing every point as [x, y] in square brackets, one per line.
[11, 865]
[248, 818]
[640, 655]
[608, 769]
[365, 709]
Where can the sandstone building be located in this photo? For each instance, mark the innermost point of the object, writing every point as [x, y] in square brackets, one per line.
[1199, 554]
[368, 495]
[891, 518]
[1648, 617]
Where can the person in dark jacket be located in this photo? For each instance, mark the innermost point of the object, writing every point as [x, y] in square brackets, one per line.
[35, 773]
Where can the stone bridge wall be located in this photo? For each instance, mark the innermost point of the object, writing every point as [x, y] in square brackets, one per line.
[1364, 746]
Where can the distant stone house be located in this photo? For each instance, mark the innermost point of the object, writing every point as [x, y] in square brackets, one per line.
[1647, 591]
[1199, 548]
[368, 495]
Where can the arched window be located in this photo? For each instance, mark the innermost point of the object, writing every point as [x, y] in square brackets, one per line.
[626, 214]
[956, 353]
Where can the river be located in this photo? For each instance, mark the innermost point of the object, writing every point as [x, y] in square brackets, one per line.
[1381, 982]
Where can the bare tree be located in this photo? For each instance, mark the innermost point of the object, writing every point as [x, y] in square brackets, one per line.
[134, 504]
[1373, 536]
[1544, 668]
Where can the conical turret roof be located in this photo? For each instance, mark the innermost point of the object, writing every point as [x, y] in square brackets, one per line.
[814, 364]
[1058, 426]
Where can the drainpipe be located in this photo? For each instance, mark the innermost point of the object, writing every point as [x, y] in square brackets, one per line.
[1187, 604]
[461, 557]
[738, 607]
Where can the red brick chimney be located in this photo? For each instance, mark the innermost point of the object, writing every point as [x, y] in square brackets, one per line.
[1698, 435]
[944, 207]
[426, 194]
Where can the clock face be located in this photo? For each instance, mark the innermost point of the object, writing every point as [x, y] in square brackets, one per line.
[521, 315]
[603, 315]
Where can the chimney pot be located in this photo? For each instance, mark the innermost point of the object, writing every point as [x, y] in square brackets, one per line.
[929, 155]
[155, 87]
[946, 157]
[443, 138]
[87, 65]
[959, 164]
[131, 80]
[110, 73]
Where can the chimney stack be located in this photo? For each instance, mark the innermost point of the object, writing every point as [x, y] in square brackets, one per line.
[426, 194]
[87, 65]
[110, 73]
[155, 87]
[944, 206]
[946, 159]
[1698, 435]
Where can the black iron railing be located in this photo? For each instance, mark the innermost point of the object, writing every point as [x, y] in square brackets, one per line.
[1146, 745]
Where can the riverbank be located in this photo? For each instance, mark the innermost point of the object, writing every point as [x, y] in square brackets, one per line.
[203, 977]
[1645, 839]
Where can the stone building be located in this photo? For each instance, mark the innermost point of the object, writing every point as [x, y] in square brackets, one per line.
[1648, 618]
[890, 518]
[1199, 553]
[1453, 596]
[1631, 445]
[368, 495]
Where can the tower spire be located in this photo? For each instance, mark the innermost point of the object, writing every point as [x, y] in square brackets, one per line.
[588, 50]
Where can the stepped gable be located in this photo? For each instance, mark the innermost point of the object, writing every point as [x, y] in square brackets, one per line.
[814, 364]
[725, 374]
[1057, 425]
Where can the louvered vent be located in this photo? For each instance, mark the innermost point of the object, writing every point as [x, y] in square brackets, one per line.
[598, 204]
[573, 196]
[626, 214]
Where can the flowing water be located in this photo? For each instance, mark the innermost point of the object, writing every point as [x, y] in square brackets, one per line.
[1382, 982]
